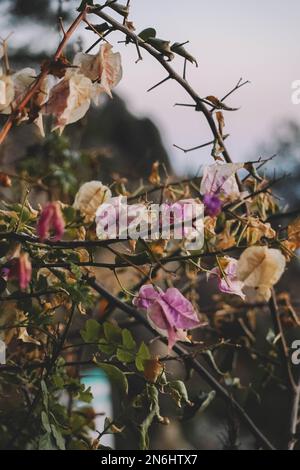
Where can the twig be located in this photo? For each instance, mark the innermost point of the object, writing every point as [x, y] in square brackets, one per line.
[284, 349]
[239, 84]
[207, 144]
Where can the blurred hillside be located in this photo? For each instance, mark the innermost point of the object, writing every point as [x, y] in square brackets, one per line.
[108, 143]
[286, 146]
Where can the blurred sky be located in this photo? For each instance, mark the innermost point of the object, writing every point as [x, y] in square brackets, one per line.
[257, 40]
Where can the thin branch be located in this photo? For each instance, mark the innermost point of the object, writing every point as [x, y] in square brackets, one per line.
[239, 85]
[172, 73]
[294, 412]
[284, 349]
[207, 144]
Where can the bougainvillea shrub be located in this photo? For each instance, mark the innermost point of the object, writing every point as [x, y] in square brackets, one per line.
[169, 357]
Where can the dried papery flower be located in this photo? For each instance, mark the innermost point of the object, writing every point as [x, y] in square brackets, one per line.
[7, 92]
[294, 234]
[219, 184]
[104, 69]
[256, 230]
[69, 100]
[185, 217]
[220, 179]
[228, 281]
[21, 81]
[169, 313]
[89, 197]
[260, 268]
[154, 177]
[51, 218]
[115, 218]
[226, 239]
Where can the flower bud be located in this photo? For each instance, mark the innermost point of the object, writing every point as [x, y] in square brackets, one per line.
[19, 268]
[51, 218]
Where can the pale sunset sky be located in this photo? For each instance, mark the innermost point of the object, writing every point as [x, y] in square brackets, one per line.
[258, 40]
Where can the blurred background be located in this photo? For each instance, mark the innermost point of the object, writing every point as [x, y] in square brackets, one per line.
[257, 40]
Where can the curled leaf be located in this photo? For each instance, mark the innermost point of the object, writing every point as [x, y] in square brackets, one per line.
[147, 34]
[163, 46]
[123, 10]
[178, 48]
[219, 104]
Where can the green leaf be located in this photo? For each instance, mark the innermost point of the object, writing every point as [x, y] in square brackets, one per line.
[100, 28]
[125, 356]
[84, 3]
[144, 429]
[147, 33]
[60, 442]
[142, 355]
[111, 428]
[86, 395]
[116, 376]
[180, 50]
[128, 341]
[119, 8]
[46, 443]
[112, 333]
[58, 381]
[92, 331]
[75, 269]
[45, 421]
[179, 392]
[201, 403]
[69, 213]
[45, 394]
[162, 46]
[210, 397]
[152, 395]
[214, 364]
[106, 348]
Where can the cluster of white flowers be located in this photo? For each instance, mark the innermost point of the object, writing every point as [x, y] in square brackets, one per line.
[67, 98]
